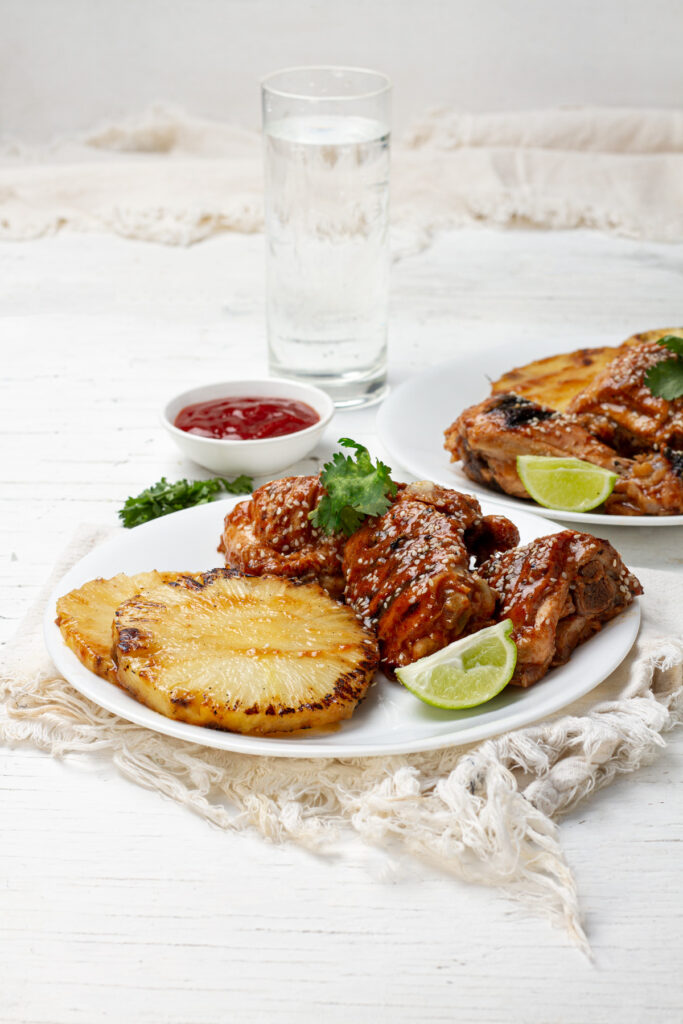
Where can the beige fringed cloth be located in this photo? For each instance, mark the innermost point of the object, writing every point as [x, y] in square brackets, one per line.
[171, 178]
[486, 813]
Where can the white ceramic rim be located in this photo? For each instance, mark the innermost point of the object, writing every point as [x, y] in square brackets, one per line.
[286, 94]
[258, 382]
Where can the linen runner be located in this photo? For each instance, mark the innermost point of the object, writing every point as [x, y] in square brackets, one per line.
[167, 177]
[487, 813]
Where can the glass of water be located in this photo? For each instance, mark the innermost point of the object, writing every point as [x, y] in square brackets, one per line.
[326, 137]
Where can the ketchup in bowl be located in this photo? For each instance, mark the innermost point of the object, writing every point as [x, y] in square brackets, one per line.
[246, 418]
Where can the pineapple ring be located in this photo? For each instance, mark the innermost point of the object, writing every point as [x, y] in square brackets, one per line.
[243, 653]
[84, 616]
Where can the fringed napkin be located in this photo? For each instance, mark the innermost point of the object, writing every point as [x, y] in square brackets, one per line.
[167, 177]
[486, 813]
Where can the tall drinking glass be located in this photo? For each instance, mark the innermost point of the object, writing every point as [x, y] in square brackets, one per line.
[326, 136]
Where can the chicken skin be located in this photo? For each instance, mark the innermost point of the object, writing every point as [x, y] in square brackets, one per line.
[558, 591]
[271, 535]
[489, 436]
[619, 408]
[408, 573]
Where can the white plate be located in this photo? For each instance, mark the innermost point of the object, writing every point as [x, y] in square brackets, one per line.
[412, 421]
[390, 720]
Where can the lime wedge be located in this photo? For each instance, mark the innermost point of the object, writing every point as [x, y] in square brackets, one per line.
[570, 485]
[467, 672]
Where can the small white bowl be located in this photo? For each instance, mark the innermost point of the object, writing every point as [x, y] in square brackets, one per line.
[259, 457]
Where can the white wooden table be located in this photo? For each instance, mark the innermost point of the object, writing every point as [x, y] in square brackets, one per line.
[118, 905]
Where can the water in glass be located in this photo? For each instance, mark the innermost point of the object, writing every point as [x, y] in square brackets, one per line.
[327, 194]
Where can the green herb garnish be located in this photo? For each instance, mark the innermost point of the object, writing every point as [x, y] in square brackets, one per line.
[665, 379]
[162, 498]
[355, 489]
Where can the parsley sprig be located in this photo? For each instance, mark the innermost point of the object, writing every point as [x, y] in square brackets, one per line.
[355, 489]
[665, 379]
[163, 497]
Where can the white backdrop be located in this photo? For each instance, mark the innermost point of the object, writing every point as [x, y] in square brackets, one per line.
[66, 64]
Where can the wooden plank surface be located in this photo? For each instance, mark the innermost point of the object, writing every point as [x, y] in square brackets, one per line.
[117, 905]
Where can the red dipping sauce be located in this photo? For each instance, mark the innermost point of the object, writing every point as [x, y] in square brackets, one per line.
[246, 419]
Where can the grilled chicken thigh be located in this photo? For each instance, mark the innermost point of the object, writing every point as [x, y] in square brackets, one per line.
[271, 535]
[407, 571]
[489, 436]
[558, 591]
[619, 408]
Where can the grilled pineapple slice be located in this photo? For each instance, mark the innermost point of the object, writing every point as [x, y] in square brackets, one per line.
[85, 615]
[243, 653]
[556, 380]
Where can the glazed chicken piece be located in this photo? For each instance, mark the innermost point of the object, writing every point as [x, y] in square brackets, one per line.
[619, 408]
[483, 535]
[408, 576]
[271, 535]
[489, 436]
[651, 485]
[558, 591]
[490, 534]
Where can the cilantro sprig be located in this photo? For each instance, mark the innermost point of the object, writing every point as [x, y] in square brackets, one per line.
[355, 489]
[163, 497]
[665, 379]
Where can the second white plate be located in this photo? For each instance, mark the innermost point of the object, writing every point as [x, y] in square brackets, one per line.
[412, 421]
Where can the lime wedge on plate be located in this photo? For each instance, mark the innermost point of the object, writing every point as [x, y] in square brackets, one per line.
[569, 485]
[467, 672]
